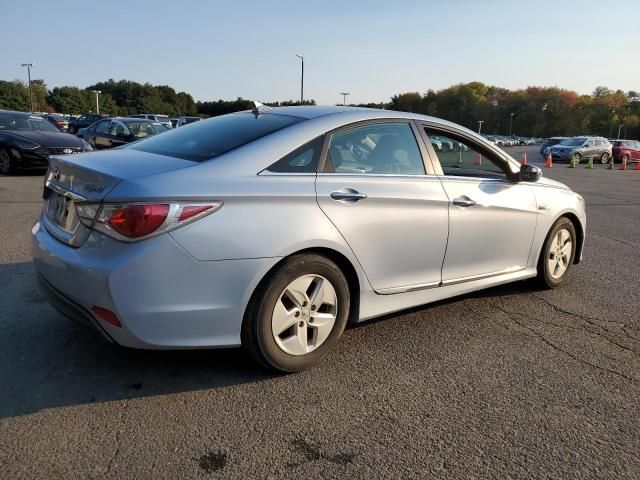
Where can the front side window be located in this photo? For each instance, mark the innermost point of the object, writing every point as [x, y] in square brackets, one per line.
[461, 158]
[117, 129]
[383, 148]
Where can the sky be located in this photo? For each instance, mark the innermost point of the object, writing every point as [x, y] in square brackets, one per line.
[373, 49]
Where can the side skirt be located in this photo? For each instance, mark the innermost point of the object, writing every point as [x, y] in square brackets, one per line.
[374, 305]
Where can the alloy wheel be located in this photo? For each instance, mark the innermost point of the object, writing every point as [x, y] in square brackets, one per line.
[560, 254]
[304, 314]
[604, 159]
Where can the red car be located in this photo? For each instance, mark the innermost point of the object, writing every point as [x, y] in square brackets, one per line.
[626, 149]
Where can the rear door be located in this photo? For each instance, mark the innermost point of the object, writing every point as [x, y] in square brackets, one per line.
[492, 217]
[391, 209]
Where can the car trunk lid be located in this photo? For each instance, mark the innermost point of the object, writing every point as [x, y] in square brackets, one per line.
[75, 180]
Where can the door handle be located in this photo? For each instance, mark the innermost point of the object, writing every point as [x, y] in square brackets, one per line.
[347, 195]
[464, 201]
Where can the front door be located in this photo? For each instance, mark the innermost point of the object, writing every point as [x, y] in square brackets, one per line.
[492, 218]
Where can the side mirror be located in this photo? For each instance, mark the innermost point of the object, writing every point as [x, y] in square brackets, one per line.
[530, 173]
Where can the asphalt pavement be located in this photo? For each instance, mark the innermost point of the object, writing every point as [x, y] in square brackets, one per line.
[512, 382]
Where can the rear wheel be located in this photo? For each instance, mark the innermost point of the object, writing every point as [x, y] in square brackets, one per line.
[577, 157]
[298, 314]
[604, 158]
[625, 158]
[557, 253]
[7, 165]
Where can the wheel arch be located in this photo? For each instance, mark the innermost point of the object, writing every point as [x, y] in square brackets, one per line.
[577, 225]
[345, 265]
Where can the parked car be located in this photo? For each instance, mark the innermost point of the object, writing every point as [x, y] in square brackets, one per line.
[550, 142]
[83, 121]
[176, 241]
[186, 120]
[114, 132]
[27, 141]
[582, 148]
[163, 119]
[58, 121]
[626, 150]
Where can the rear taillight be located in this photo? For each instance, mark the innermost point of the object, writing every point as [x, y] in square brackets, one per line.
[137, 221]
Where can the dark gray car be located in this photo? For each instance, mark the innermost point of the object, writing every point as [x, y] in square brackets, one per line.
[582, 148]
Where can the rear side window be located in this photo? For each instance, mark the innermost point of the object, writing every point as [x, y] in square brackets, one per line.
[303, 159]
[216, 136]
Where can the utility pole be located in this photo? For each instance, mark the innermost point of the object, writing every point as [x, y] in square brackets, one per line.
[301, 78]
[613, 114]
[97, 92]
[29, 66]
[619, 129]
[511, 124]
[344, 98]
[480, 122]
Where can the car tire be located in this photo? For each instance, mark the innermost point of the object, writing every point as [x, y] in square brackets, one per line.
[7, 165]
[279, 300]
[555, 259]
[625, 159]
[604, 158]
[577, 157]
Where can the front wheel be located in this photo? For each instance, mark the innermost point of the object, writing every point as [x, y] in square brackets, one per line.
[604, 159]
[557, 253]
[7, 165]
[297, 314]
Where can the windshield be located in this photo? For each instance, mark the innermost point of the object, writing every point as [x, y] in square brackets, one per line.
[16, 121]
[216, 136]
[573, 142]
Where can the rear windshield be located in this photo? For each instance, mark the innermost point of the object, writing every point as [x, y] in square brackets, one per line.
[162, 118]
[216, 136]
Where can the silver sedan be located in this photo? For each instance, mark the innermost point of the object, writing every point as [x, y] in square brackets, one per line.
[274, 228]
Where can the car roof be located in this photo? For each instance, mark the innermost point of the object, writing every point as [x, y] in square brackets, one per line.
[15, 112]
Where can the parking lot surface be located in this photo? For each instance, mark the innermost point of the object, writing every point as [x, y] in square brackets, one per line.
[511, 382]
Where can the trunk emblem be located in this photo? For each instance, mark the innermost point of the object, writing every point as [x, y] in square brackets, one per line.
[56, 173]
[67, 151]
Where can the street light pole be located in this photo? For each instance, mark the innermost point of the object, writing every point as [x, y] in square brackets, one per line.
[29, 65]
[613, 114]
[619, 129]
[511, 124]
[301, 78]
[480, 122]
[97, 92]
[344, 98]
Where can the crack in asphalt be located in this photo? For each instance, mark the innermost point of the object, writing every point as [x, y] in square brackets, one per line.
[555, 347]
[116, 437]
[624, 242]
[591, 333]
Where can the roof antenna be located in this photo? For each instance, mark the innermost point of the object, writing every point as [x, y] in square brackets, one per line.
[259, 108]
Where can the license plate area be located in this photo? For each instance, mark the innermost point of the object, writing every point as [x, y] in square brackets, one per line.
[61, 211]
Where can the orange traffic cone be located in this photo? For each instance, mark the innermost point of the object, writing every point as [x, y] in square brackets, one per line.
[623, 165]
[524, 158]
[478, 160]
[548, 162]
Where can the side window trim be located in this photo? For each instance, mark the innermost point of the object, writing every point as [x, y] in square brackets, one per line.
[484, 150]
[426, 160]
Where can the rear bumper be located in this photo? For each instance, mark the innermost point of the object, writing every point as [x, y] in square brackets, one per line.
[163, 297]
[69, 308]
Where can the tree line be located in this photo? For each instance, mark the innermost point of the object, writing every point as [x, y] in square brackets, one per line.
[534, 111]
